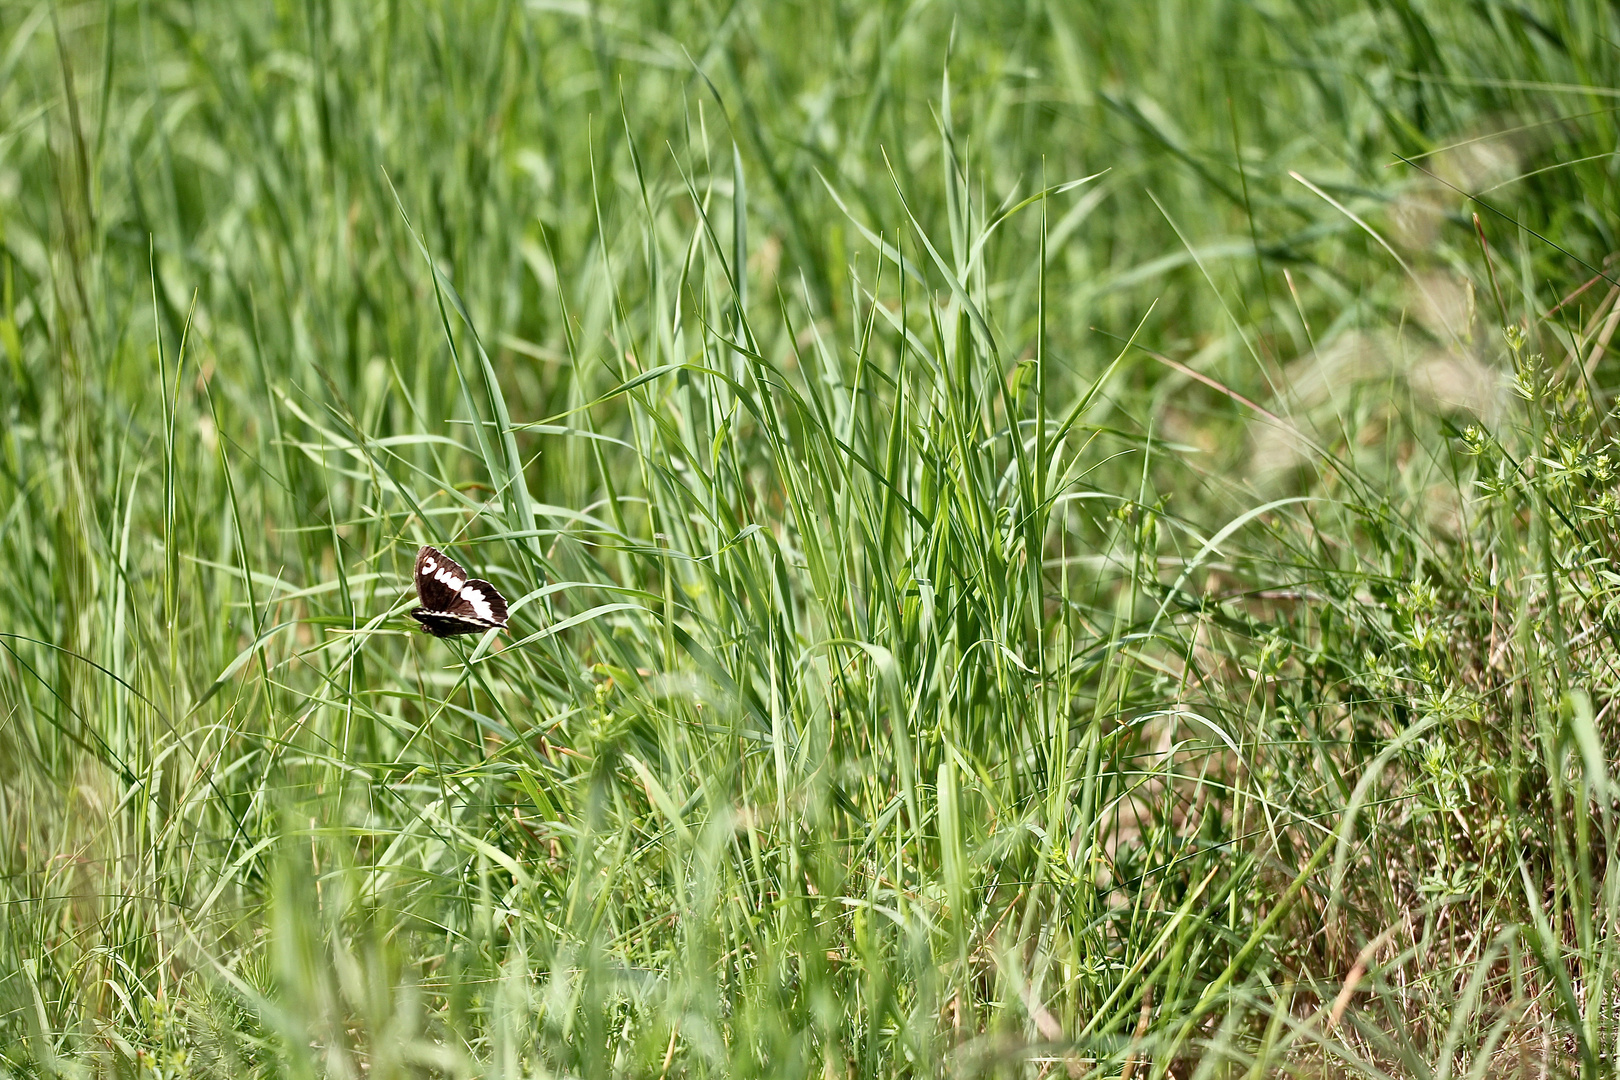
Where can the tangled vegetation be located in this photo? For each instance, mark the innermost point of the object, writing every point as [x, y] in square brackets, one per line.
[1042, 539]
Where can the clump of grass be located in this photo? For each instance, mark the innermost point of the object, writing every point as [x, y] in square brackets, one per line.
[1031, 550]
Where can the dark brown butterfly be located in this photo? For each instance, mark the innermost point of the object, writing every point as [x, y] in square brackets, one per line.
[453, 603]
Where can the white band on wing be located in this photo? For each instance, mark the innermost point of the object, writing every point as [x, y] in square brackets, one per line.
[480, 606]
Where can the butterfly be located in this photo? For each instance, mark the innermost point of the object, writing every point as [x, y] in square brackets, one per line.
[453, 603]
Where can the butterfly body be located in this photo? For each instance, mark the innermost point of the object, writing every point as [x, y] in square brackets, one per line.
[453, 603]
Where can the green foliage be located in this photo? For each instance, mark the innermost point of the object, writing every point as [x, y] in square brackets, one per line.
[1042, 539]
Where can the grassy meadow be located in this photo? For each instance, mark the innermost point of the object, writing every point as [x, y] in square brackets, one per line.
[1044, 539]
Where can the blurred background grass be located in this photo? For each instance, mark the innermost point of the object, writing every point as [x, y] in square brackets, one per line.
[1044, 539]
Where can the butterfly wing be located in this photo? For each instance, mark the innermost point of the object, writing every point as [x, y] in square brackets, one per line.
[442, 624]
[438, 579]
[485, 601]
[452, 603]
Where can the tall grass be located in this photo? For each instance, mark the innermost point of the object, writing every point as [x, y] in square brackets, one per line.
[1042, 540]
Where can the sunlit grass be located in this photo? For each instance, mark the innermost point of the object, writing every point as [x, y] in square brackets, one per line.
[1036, 544]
